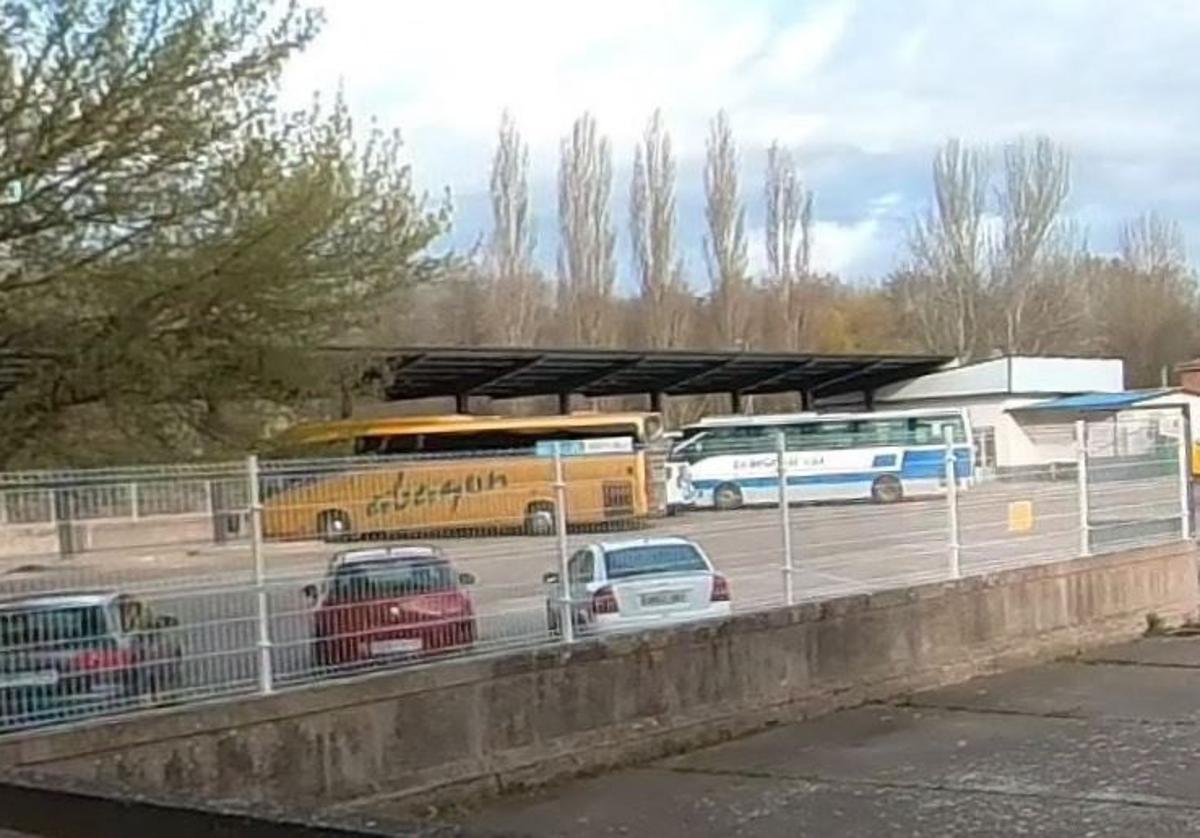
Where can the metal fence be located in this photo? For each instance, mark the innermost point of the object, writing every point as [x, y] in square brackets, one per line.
[127, 589]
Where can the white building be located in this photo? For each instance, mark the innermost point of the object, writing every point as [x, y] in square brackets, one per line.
[995, 391]
[1023, 409]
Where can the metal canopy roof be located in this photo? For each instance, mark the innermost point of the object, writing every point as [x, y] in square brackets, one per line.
[1089, 402]
[424, 372]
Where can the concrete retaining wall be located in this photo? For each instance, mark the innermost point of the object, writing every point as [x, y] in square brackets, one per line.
[527, 717]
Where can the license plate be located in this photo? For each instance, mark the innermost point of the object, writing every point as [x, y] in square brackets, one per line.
[396, 647]
[44, 678]
[664, 598]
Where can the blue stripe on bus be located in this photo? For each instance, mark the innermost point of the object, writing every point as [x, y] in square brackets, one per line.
[932, 464]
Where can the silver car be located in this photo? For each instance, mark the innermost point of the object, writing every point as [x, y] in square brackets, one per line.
[638, 583]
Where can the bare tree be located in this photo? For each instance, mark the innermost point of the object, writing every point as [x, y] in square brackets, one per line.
[652, 231]
[941, 289]
[789, 211]
[1153, 245]
[586, 268]
[1147, 305]
[725, 244]
[516, 285]
[1027, 287]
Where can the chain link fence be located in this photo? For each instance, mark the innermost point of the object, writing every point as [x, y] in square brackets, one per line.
[124, 589]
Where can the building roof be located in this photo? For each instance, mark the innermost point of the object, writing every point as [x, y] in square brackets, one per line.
[1086, 402]
[1013, 375]
[424, 372]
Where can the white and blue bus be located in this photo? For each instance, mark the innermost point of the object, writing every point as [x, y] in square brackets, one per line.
[732, 461]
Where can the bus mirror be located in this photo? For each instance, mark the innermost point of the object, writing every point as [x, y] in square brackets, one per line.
[550, 578]
[466, 578]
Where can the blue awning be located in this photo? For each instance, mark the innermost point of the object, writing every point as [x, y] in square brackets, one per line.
[1084, 402]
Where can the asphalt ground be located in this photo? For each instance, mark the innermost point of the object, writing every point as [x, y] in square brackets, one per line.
[1104, 746]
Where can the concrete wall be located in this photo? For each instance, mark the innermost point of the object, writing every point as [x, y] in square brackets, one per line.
[528, 717]
[38, 541]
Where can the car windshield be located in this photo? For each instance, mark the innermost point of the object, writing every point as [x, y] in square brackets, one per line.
[397, 578]
[51, 625]
[653, 558]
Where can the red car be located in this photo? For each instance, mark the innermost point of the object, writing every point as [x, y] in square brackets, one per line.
[388, 603]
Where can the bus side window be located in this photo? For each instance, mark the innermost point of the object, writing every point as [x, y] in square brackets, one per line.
[802, 437]
[919, 432]
[837, 434]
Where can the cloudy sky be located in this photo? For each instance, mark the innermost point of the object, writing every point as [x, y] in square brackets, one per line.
[861, 90]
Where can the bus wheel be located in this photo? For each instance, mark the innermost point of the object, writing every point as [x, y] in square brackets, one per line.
[333, 525]
[539, 519]
[887, 489]
[727, 496]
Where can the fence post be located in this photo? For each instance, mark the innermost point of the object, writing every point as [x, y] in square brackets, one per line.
[566, 618]
[1185, 483]
[785, 519]
[266, 675]
[133, 501]
[1081, 478]
[951, 470]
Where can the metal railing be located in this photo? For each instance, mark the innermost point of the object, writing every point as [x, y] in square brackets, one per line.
[127, 589]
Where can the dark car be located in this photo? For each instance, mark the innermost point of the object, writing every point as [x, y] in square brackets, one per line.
[78, 654]
[387, 603]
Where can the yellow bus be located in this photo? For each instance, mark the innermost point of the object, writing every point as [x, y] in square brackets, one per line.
[465, 473]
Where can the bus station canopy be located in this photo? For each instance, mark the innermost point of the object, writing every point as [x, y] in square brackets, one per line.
[425, 372]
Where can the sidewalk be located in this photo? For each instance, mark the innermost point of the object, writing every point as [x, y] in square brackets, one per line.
[1105, 745]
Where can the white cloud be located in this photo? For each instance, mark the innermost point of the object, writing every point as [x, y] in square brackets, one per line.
[1110, 79]
[847, 248]
[803, 48]
[444, 71]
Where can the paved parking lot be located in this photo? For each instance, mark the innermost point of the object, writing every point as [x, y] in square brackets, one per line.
[837, 549]
[1104, 746]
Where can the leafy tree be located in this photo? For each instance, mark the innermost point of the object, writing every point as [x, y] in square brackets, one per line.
[172, 243]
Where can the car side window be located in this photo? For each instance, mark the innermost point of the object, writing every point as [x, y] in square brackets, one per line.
[581, 568]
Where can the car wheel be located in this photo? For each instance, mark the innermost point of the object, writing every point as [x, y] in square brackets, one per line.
[321, 659]
[727, 496]
[168, 677]
[887, 489]
[333, 525]
[540, 520]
